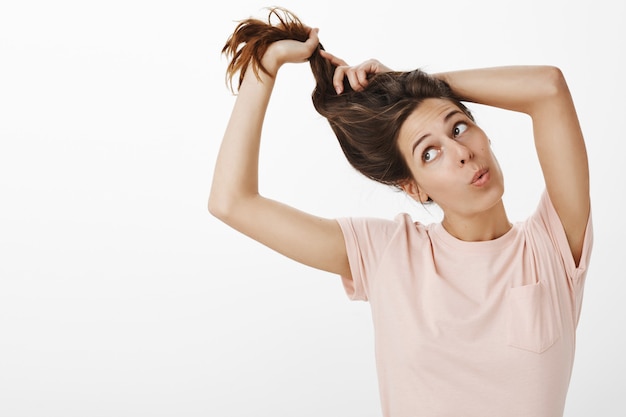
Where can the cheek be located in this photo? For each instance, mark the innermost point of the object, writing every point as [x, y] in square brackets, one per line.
[492, 155]
[483, 147]
[436, 183]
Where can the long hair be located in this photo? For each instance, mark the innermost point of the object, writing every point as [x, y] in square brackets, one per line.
[366, 123]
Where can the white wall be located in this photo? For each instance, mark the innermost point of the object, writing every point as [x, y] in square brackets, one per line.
[121, 296]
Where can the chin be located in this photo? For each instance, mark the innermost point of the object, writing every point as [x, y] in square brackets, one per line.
[494, 196]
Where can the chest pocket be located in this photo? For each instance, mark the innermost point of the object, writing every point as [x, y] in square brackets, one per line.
[533, 322]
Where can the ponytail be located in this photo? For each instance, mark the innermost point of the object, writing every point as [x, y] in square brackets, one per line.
[367, 123]
[251, 38]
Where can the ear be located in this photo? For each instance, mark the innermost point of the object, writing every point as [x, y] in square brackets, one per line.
[413, 190]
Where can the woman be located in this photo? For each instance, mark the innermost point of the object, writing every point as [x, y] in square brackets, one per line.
[474, 316]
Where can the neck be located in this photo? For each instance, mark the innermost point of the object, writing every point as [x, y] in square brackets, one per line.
[487, 225]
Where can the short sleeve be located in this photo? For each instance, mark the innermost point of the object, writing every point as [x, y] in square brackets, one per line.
[366, 240]
[549, 217]
[550, 221]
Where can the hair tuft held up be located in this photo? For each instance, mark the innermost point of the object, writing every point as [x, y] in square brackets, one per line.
[251, 38]
[367, 123]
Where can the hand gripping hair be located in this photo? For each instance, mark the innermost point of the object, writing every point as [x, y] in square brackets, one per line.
[366, 123]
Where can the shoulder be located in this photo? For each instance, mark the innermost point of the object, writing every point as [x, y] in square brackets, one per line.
[383, 229]
[374, 237]
[374, 245]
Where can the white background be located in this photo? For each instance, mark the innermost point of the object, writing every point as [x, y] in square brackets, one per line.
[121, 296]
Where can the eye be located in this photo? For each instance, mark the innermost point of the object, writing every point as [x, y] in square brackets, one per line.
[458, 129]
[430, 154]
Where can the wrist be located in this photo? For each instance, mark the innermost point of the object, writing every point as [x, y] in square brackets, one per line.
[260, 72]
[271, 62]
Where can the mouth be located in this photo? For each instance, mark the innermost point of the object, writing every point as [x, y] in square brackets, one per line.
[481, 177]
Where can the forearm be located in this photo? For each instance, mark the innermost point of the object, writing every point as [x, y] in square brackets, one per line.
[517, 88]
[236, 168]
[542, 93]
[235, 179]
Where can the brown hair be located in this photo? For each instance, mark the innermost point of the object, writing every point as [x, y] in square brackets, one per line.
[367, 123]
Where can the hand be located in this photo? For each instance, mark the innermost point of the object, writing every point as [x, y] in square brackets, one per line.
[285, 51]
[357, 74]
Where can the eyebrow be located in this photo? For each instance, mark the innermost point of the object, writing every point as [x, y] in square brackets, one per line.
[445, 119]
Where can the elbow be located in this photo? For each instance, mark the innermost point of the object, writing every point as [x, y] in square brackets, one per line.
[554, 82]
[549, 89]
[228, 207]
[218, 207]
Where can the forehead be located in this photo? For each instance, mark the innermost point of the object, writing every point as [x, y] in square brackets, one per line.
[426, 117]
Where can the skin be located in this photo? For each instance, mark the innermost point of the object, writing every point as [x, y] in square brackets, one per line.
[541, 92]
[446, 150]
[538, 91]
[235, 198]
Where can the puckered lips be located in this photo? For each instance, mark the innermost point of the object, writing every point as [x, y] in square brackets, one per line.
[481, 177]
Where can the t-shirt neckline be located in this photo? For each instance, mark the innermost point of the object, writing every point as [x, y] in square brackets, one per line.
[493, 245]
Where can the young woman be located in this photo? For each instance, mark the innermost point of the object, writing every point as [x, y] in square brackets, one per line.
[474, 316]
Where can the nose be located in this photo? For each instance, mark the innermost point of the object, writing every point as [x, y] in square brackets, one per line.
[462, 153]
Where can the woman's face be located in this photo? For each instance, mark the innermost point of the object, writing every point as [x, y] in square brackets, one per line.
[450, 158]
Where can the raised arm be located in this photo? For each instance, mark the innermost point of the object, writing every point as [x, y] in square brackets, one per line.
[542, 93]
[234, 196]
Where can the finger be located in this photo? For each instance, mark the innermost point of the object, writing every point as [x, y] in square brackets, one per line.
[338, 77]
[313, 35]
[333, 59]
[361, 76]
[313, 39]
[354, 80]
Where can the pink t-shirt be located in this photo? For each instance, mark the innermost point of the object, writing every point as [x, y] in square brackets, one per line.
[471, 329]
